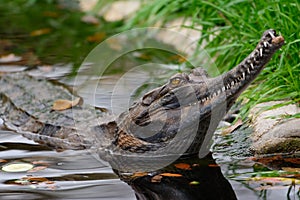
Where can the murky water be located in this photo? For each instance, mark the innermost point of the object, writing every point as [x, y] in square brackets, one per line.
[82, 175]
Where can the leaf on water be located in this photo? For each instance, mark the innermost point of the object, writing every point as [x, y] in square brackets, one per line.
[170, 175]
[63, 104]
[184, 166]
[3, 161]
[139, 174]
[97, 37]
[232, 128]
[17, 167]
[40, 162]
[39, 168]
[10, 58]
[39, 32]
[35, 179]
[156, 179]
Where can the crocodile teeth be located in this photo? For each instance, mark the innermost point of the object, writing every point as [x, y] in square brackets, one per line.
[223, 88]
[248, 70]
[232, 83]
[265, 44]
[272, 35]
[260, 52]
[243, 75]
[252, 67]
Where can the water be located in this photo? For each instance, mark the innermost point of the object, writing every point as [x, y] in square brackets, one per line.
[81, 175]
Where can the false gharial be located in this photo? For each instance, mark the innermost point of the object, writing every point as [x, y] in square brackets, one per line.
[177, 118]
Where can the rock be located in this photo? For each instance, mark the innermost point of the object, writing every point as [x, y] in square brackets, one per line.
[273, 132]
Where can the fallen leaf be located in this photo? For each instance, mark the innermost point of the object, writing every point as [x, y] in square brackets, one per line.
[38, 168]
[40, 32]
[90, 19]
[3, 161]
[51, 14]
[63, 104]
[17, 167]
[156, 179]
[170, 175]
[139, 174]
[232, 128]
[184, 166]
[10, 58]
[97, 37]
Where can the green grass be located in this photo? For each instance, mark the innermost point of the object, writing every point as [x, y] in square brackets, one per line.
[67, 37]
[236, 27]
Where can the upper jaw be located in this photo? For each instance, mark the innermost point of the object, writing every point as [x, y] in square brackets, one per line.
[232, 83]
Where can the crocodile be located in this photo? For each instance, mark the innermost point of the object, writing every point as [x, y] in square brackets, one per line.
[178, 117]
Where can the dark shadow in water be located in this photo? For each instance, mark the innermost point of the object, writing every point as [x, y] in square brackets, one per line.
[187, 178]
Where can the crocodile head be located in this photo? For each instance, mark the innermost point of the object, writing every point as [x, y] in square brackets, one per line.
[190, 104]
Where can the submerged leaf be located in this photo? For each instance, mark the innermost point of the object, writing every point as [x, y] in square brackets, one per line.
[184, 166]
[171, 175]
[156, 179]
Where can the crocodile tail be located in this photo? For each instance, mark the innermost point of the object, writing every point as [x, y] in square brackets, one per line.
[57, 137]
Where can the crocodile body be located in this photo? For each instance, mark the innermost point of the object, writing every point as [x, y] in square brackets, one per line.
[172, 119]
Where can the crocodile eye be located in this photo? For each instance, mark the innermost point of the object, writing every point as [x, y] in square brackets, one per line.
[176, 81]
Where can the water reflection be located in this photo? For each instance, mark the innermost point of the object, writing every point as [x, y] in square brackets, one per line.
[187, 178]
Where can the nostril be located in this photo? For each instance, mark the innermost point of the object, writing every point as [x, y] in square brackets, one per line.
[143, 119]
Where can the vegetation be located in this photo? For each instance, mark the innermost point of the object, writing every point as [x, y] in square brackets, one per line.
[54, 34]
[230, 30]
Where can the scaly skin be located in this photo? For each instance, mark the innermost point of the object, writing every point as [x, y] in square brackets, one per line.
[206, 100]
[177, 115]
